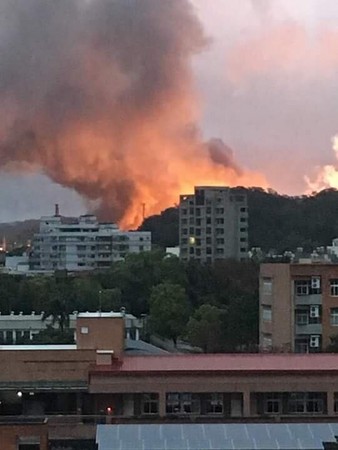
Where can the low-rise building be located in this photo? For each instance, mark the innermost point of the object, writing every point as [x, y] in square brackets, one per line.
[298, 306]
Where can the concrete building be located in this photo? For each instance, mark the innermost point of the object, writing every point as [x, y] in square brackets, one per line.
[82, 244]
[93, 382]
[18, 328]
[298, 306]
[213, 224]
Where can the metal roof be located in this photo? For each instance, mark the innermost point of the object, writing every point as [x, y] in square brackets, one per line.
[294, 436]
[226, 363]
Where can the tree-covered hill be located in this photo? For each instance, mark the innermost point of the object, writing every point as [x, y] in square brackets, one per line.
[275, 221]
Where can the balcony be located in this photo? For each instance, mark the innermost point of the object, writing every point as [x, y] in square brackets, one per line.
[311, 299]
[310, 328]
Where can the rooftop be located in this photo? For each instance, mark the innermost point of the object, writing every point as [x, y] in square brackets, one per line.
[225, 363]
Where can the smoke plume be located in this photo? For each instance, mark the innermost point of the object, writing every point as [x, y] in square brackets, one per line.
[97, 94]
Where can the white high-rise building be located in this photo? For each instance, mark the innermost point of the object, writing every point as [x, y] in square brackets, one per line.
[82, 244]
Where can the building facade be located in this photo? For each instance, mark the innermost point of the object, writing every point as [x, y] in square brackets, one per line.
[298, 306]
[21, 328]
[213, 224]
[83, 244]
[95, 382]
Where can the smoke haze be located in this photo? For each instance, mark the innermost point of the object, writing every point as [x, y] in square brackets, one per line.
[98, 96]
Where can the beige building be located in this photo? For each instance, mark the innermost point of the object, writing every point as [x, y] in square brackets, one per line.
[213, 224]
[298, 306]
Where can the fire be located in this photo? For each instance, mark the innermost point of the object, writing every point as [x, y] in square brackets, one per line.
[327, 176]
[99, 97]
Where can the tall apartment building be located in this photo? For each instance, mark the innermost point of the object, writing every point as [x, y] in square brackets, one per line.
[82, 244]
[213, 224]
[298, 306]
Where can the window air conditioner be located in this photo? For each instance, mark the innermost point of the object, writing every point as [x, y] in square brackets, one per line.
[314, 312]
[314, 341]
[315, 283]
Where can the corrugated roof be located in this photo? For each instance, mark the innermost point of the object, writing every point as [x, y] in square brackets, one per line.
[263, 436]
[225, 363]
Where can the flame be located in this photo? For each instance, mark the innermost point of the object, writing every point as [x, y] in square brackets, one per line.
[99, 96]
[327, 176]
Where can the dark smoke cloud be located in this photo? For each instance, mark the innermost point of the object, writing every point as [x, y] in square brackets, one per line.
[97, 95]
[222, 154]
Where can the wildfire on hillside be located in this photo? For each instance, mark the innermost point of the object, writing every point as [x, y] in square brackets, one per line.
[99, 96]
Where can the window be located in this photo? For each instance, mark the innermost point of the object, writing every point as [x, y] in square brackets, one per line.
[185, 231]
[336, 402]
[219, 231]
[243, 230]
[267, 313]
[302, 287]
[219, 221]
[208, 210]
[209, 251]
[267, 286]
[334, 287]
[267, 341]
[220, 241]
[306, 402]
[243, 249]
[334, 316]
[243, 219]
[149, 403]
[208, 220]
[214, 403]
[302, 317]
[184, 221]
[243, 239]
[208, 240]
[183, 403]
[198, 211]
[84, 330]
[272, 403]
[220, 211]
[198, 222]
[302, 345]
[208, 231]
[184, 211]
[243, 209]
[220, 251]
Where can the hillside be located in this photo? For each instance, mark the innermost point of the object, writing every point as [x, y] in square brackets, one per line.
[19, 232]
[275, 221]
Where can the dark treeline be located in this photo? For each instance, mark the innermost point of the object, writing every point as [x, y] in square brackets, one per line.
[212, 307]
[276, 221]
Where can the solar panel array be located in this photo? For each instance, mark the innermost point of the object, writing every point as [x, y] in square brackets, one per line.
[294, 436]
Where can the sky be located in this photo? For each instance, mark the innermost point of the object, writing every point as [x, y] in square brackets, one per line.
[267, 84]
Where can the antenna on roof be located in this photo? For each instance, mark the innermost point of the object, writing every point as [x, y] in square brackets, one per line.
[57, 210]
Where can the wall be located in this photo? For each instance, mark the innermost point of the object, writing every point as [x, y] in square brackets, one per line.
[102, 333]
[10, 434]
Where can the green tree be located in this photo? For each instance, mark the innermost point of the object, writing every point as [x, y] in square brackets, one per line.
[206, 328]
[169, 310]
[242, 323]
[134, 278]
[53, 335]
[60, 303]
